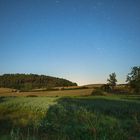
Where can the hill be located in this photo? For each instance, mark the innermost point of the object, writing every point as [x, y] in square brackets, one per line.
[93, 85]
[32, 81]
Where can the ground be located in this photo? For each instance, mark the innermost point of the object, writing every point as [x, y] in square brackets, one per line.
[80, 117]
[76, 92]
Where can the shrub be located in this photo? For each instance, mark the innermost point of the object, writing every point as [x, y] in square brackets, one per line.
[31, 96]
[106, 88]
[98, 92]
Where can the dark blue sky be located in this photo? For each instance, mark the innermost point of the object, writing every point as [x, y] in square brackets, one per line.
[81, 40]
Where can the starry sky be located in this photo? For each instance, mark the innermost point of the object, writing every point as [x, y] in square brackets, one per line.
[80, 40]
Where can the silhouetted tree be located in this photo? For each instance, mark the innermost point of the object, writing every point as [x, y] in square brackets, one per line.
[112, 80]
[133, 79]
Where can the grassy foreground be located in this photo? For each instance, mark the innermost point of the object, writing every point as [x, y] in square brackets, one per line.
[70, 118]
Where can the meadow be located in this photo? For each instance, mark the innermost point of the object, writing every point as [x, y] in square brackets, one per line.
[49, 93]
[110, 117]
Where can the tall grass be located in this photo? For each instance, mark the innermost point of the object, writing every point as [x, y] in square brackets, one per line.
[80, 118]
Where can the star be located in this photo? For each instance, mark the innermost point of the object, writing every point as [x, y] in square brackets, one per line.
[100, 3]
[57, 1]
[108, 18]
[95, 7]
[74, 9]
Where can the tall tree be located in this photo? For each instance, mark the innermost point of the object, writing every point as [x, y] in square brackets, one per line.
[112, 80]
[133, 79]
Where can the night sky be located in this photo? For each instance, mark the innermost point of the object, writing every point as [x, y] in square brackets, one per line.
[81, 40]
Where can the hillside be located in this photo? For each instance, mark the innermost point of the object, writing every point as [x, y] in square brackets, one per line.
[94, 85]
[32, 81]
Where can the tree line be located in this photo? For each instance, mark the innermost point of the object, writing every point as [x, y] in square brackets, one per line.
[32, 81]
[133, 80]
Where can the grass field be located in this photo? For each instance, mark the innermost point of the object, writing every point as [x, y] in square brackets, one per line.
[70, 118]
[8, 92]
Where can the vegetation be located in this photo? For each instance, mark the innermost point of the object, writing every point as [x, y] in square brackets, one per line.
[106, 88]
[27, 82]
[81, 118]
[112, 80]
[50, 93]
[133, 79]
[110, 86]
[87, 113]
[98, 92]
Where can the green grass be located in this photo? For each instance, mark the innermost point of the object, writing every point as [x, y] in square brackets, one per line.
[67, 118]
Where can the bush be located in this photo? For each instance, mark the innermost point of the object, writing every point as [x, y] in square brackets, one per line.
[97, 92]
[31, 96]
[106, 88]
